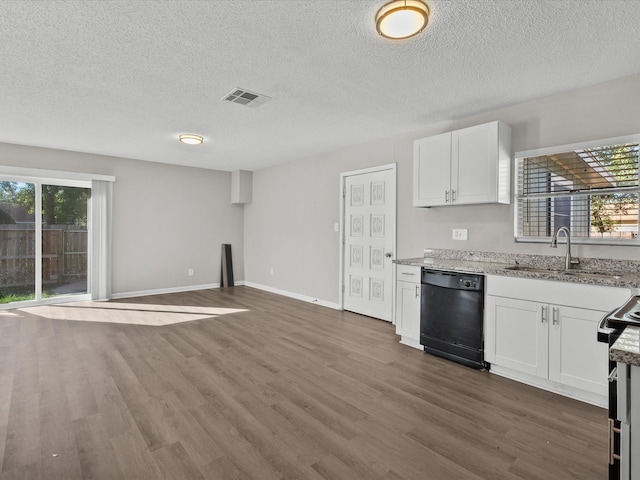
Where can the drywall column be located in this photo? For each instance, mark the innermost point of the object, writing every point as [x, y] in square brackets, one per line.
[241, 186]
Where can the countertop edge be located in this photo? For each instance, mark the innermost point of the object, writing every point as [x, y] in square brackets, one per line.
[496, 268]
[626, 348]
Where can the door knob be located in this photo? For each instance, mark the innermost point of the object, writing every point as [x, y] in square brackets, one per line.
[388, 255]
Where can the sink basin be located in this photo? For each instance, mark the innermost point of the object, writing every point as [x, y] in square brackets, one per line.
[605, 276]
[522, 268]
[571, 273]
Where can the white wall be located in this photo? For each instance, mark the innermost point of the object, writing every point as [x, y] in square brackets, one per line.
[289, 225]
[166, 218]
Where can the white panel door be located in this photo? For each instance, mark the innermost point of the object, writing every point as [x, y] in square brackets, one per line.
[369, 239]
[576, 358]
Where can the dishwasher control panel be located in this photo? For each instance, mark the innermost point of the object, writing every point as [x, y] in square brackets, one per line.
[457, 280]
[469, 283]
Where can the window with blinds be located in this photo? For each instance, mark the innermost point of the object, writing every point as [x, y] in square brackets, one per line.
[593, 192]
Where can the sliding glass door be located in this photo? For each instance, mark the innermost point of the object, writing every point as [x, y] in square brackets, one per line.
[17, 242]
[44, 240]
[65, 240]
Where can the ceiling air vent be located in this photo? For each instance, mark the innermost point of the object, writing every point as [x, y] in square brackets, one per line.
[245, 97]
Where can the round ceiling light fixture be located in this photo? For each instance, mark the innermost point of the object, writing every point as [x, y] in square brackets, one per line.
[402, 19]
[190, 139]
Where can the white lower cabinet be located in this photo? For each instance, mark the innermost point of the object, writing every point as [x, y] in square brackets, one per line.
[551, 344]
[408, 304]
[516, 336]
[576, 358]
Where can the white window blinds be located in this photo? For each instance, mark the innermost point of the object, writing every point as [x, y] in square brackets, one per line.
[591, 191]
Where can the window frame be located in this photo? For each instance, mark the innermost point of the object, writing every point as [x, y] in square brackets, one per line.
[518, 156]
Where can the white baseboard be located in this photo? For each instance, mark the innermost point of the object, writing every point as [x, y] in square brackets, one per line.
[161, 291]
[411, 342]
[190, 288]
[297, 296]
[544, 384]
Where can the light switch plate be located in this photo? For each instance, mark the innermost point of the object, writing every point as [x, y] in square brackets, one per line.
[460, 233]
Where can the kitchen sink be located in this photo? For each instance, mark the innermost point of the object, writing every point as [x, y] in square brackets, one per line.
[603, 275]
[571, 273]
[522, 268]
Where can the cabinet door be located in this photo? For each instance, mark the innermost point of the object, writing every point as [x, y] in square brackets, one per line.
[474, 158]
[516, 335]
[576, 358]
[432, 170]
[408, 310]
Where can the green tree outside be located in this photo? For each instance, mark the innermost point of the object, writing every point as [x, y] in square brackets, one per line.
[622, 162]
[60, 205]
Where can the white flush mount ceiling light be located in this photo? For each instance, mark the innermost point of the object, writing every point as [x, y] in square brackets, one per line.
[190, 139]
[402, 19]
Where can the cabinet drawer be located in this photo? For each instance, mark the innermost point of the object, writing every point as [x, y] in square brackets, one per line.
[408, 273]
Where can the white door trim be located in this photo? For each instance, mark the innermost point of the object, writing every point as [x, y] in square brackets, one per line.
[341, 237]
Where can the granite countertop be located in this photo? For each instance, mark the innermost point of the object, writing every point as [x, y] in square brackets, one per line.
[495, 264]
[627, 348]
[608, 272]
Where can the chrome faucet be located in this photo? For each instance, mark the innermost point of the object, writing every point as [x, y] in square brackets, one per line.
[568, 261]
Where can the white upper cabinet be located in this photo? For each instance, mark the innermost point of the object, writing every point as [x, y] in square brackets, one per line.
[432, 170]
[463, 167]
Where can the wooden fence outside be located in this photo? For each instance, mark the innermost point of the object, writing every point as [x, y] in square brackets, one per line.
[64, 254]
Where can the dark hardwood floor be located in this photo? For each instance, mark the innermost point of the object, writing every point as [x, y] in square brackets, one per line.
[279, 389]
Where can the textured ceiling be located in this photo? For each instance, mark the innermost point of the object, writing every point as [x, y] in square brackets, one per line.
[123, 78]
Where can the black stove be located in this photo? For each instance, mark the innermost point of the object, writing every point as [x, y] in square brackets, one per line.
[627, 314]
[610, 328]
[632, 318]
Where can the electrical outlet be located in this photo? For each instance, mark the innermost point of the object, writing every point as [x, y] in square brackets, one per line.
[336, 227]
[191, 272]
[460, 233]
[271, 271]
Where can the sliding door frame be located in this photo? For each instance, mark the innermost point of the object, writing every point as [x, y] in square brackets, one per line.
[63, 179]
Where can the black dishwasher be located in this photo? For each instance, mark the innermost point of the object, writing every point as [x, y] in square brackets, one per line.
[451, 316]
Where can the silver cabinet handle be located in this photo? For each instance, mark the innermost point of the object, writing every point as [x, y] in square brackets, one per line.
[417, 291]
[556, 316]
[453, 196]
[543, 314]
[446, 196]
